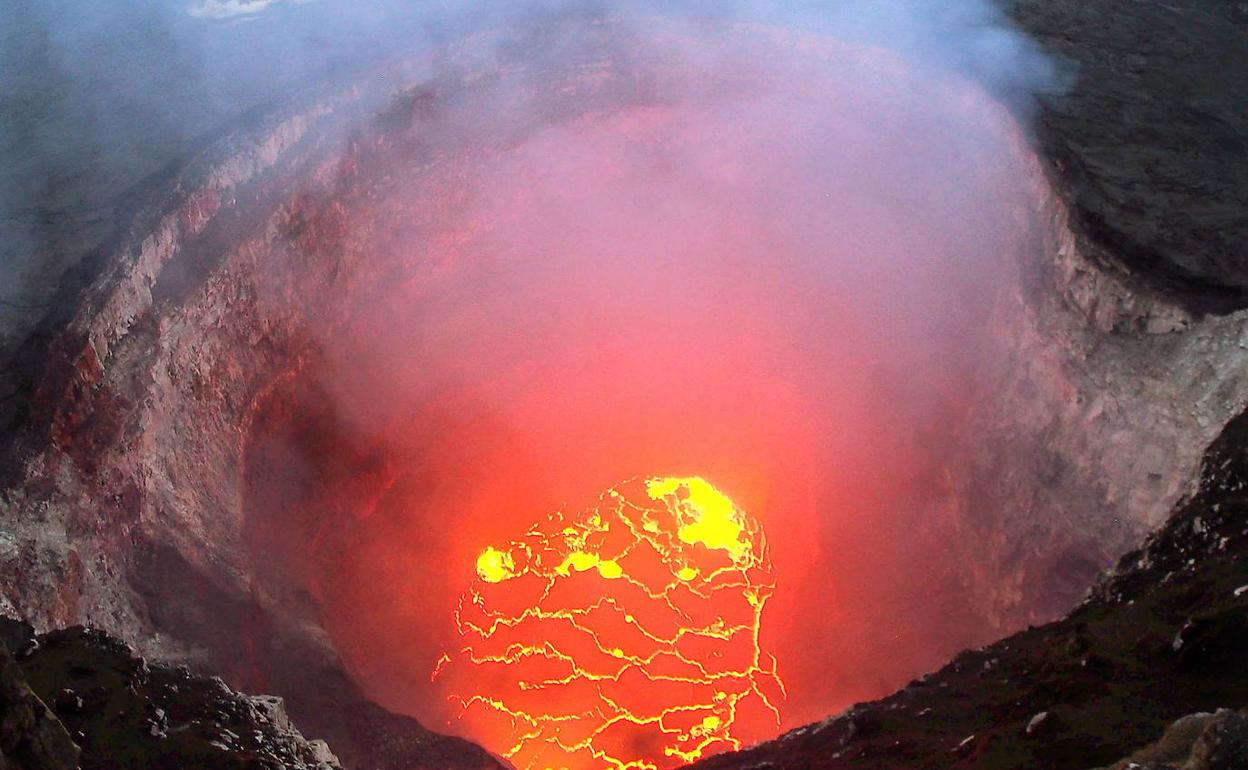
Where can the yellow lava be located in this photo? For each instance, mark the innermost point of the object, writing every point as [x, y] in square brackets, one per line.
[632, 642]
[494, 566]
[706, 515]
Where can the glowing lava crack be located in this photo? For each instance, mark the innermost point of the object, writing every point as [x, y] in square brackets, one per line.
[627, 636]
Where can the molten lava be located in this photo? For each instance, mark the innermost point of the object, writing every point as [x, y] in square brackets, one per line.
[626, 636]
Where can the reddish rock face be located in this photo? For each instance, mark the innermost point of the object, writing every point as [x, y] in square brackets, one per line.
[371, 337]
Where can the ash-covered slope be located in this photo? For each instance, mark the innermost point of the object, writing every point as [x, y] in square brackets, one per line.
[1162, 636]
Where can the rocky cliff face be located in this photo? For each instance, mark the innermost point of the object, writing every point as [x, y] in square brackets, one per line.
[138, 397]
[1089, 425]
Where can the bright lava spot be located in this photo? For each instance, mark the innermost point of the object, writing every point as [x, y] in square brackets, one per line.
[625, 636]
[706, 517]
[494, 566]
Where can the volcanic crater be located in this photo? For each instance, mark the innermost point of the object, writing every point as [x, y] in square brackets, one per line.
[357, 343]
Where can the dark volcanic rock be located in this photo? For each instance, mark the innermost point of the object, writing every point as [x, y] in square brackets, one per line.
[31, 737]
[17, 637]
[1223, 745]
[1162, 636]
[124, 713]
[1196, 742]
[1150, 145]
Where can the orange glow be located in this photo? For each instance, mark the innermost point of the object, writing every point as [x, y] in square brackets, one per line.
[626, 636]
